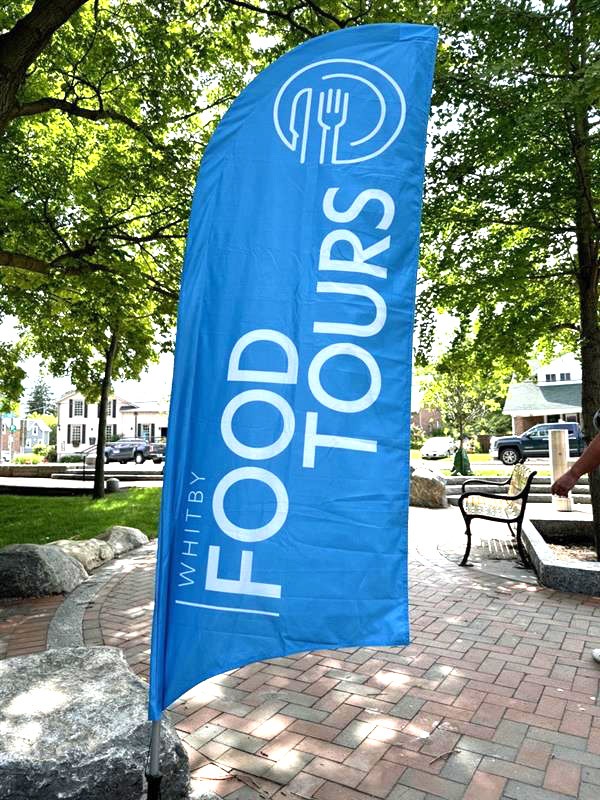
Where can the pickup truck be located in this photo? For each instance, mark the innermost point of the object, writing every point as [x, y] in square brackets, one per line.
[138, 450]
[156, 451]
[534, 443]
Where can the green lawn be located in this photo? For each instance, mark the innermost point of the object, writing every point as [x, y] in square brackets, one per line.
[38, 520]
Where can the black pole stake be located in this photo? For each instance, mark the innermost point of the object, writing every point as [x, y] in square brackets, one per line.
[154, 775]
[153, 786]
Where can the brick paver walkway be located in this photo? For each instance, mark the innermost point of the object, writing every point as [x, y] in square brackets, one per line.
[497, 696]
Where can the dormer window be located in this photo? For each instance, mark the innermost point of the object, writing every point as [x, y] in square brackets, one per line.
[551, 377]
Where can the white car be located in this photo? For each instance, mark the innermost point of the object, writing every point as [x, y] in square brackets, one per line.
[438, 447]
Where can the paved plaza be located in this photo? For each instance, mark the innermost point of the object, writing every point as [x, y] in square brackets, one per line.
[496, 697]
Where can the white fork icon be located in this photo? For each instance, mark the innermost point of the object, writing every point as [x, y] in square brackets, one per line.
[331, 115]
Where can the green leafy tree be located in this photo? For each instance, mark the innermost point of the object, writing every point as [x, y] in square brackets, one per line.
[103, 131]
[466, 400]
[11, 375]
[26, 32]
[41, 400]
[511, 225]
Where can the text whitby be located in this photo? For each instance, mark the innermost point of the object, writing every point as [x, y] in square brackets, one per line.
[354, 340]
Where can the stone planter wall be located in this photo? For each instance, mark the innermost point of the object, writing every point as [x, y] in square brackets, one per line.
[566, 576]
[31, 470]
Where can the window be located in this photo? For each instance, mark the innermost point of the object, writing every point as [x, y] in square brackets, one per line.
[538, 432]
[78, 408]
[76, 435]
[109, 433]
[565, 376]
[551, 377]
[145, 431]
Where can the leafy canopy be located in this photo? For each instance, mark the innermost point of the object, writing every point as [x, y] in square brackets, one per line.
[97, 167]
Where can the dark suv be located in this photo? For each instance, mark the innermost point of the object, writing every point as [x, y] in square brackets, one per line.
[125, 450]
[535, 442]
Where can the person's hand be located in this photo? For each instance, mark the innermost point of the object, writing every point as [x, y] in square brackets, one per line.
[564, 484]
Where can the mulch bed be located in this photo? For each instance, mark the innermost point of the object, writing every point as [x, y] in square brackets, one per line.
[580, 552]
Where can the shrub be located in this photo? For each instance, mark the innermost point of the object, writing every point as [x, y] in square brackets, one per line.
[45, 451]
[417, 437]
[71, 458]
[28, 458]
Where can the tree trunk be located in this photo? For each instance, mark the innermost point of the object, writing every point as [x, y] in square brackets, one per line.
[587, 257]
[590, 379]
[102, 413]
[20, 46]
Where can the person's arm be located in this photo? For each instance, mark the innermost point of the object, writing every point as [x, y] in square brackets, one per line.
[588, 461]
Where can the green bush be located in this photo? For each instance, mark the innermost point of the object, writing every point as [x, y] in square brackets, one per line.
[28, 458]
[71, 458]
[417, 437]
[46, 451]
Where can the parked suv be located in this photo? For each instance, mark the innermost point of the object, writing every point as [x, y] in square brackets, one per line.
[124, 450]
[534, 443]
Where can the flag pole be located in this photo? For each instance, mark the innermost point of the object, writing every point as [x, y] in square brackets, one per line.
[154, 775]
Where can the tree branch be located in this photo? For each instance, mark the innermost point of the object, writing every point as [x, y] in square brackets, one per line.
[27, 263]
[156, 235]
[269, 12]
[322, 13]
[45, 104]
[23, 43]
[565, 326]
[21, 261]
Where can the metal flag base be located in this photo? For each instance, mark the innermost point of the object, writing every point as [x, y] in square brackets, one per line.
[153, 786]
[153, 775]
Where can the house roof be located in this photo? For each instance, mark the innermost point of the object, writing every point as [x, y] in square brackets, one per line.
[145, 407]
[534, 399]
[74, 393]
[39, 422]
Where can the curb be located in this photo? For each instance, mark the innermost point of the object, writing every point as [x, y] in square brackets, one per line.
[66, 627]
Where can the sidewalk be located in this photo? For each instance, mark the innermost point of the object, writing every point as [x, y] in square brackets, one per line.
[496, 697]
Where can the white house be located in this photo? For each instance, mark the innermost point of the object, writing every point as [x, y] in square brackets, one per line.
[554, 396]
[78, 421]
[146, 419]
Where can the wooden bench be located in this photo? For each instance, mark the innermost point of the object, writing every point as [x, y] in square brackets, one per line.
[508, 508]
